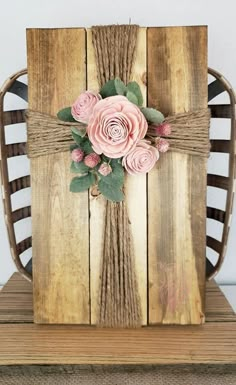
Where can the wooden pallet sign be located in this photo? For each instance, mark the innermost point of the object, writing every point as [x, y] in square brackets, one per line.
[166, 207]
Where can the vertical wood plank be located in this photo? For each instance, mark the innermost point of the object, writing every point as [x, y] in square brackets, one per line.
[97, 202]
[135, 191]
[57, 74]
[136, 188]
[177, 82]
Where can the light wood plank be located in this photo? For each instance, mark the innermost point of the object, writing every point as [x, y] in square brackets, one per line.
[177, 82]
[136, 188]
[16, 302]
[57, 74]
[52, 344]
[135, 191]
[97, 203]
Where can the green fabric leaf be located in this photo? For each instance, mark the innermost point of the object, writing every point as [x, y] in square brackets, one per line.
[73, 147]
[82, 183]
[87, 146]
[65, 115]
[78, 167]
[135, 89]
[132, 97]
[116, 177]
[108, 89]
[120, 86]
[110, 192]
[152, 115]
[76, 136]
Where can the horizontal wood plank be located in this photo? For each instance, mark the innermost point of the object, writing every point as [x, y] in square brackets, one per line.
[16, 302]
[218, 181]
[53, 344]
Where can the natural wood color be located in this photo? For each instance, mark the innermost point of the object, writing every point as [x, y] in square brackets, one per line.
[53, 344]
[97, 204]
[136, 203]
[219, 181]
[10, 117]
[47, 344]
[18, 303]
[177, 82]
[136, 188]
[57, 74]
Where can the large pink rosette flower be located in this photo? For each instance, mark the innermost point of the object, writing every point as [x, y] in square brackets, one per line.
[141, 159]
[115, 126]
[82, 108]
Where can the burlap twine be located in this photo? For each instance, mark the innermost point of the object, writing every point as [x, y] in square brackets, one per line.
[119, 301]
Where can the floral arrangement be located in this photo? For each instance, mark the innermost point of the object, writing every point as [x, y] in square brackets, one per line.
[115, 134]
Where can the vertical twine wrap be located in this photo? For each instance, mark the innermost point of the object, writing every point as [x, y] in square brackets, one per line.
[119, 296]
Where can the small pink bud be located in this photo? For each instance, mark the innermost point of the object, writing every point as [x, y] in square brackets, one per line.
[92, 160]
[105, 169]
[77, 155]
[162, 145]
[163, 129]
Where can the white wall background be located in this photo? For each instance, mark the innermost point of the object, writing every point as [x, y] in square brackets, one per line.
[17, 15]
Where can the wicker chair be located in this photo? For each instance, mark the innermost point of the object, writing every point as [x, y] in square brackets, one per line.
[10, 187]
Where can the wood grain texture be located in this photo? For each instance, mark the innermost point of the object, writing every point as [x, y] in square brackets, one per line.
[177, 82]
[16, 302]
[136, 202]
[47, 344]
[97, 204]
[57, 74]
[53, 344]
[136, 188]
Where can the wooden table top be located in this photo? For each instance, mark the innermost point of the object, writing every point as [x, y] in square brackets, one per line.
[23, 342]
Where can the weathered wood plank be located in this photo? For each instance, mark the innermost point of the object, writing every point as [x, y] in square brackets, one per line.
[16, 302]
[177, 82]
[52, 344]
[136, 188]
[57, 74]
[97, 203]
[135, 191]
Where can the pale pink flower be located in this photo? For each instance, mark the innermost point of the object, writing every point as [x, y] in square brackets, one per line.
[77, 155]
[115, 126]
[141, 159]
[92, 160]
[162, 145]
[105, 169]
[82, 108]
[163, 129]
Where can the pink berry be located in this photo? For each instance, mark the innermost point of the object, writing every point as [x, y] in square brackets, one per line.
[105, 169]
[163, 145]
[163, 129]
[92, 160]
[77, 155]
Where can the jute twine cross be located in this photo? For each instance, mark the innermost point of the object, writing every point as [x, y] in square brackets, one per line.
[119, 300]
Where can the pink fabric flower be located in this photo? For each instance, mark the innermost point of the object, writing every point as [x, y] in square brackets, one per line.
[92, 160]
[141, 159]
[115, 126]
[82, 108]
[162, 145]
[163, 129]
[105, 169]
[77, 155]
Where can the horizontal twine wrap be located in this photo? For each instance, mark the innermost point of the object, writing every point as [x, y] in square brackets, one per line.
[49, 135]
[119, 299]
